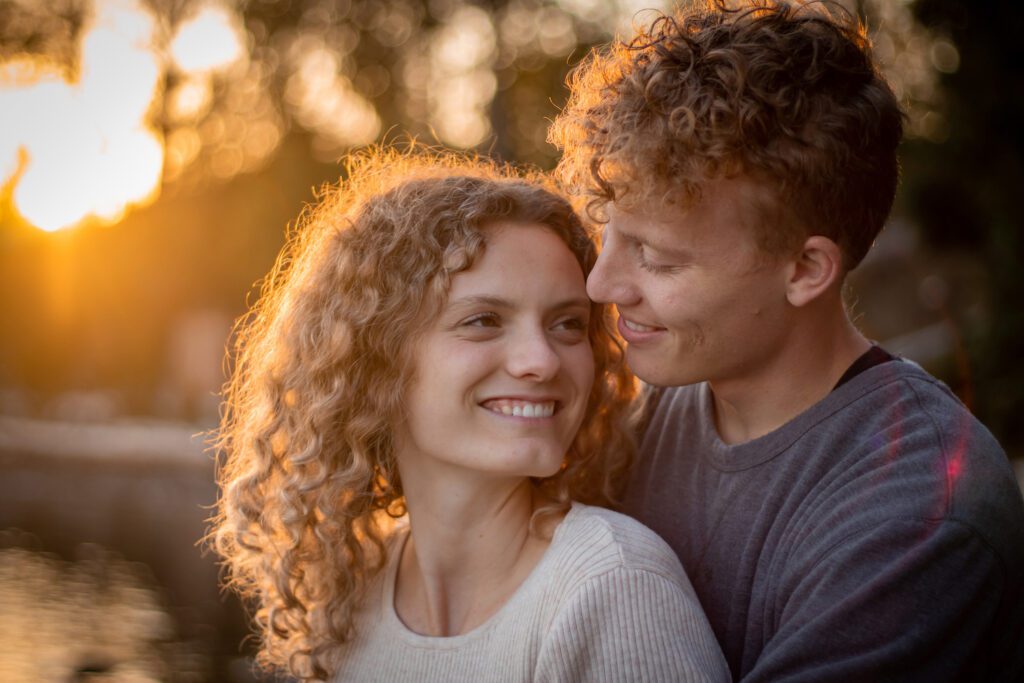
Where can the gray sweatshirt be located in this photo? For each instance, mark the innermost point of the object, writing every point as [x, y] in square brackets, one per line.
[877, 536]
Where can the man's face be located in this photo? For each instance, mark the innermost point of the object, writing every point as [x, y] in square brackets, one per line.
[697, 298]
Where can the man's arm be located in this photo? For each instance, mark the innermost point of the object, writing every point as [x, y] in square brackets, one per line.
[903, 601]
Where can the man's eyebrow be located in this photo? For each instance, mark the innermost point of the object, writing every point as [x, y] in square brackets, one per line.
[678, 252]
[672, 252]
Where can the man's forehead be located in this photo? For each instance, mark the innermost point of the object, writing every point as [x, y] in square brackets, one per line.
[663, 232]
[739, 200]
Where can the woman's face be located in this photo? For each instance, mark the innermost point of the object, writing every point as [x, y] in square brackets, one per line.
[503, 373]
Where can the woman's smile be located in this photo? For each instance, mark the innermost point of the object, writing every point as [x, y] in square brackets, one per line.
[511, 341]
[521, 408]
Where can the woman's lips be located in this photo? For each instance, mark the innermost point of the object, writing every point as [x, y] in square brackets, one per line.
[521, 407]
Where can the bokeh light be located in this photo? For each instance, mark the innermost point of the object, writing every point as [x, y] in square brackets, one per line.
[100, 615]
[215, 95]
[87, 148]
[210, 40]
[323, 99]
[462, 82]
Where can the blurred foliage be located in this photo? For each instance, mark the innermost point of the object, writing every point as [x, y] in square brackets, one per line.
[964, 191]
[99, 617]
[97, 307]
[105, 306]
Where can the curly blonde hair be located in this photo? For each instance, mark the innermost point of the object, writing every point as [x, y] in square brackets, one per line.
[308, 476]
[785, 92]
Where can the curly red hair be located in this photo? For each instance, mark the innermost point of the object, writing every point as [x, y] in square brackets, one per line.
[323, 361]
[783, 92]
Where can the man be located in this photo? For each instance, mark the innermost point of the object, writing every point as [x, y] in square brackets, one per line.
[841, 514]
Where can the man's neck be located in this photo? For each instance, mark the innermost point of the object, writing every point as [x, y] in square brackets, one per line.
[802, 373]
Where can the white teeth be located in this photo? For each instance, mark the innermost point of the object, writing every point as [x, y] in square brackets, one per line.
[523, 408]
[637, 327]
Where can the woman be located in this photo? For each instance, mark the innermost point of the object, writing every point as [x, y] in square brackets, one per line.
[425, 344]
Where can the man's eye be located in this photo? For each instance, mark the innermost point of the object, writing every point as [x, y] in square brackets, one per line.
[651, 267]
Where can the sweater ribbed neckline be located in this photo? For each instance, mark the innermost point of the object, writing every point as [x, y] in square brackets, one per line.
[397, 627]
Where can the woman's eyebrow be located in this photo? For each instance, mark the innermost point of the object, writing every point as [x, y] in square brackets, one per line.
[575, 302]
[498, 302]
[479, 300]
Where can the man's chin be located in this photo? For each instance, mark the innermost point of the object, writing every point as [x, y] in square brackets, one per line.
[656, 370]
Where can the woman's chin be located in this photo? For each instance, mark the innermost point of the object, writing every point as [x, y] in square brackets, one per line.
[532, 462]
[548, 469]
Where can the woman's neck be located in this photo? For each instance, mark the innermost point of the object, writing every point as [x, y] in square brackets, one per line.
[470, 549]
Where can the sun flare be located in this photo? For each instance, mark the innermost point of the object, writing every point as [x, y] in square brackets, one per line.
[84, 149]
[210, 40]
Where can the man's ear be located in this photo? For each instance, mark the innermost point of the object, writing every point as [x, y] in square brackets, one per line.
[815, 268]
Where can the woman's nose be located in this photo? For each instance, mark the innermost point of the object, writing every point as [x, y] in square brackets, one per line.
[532, 356]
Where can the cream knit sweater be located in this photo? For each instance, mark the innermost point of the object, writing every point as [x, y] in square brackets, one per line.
[608, 601]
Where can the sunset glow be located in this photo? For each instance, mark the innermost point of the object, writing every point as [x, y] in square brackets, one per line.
[210, 40]
[135, 101]
[86, 147]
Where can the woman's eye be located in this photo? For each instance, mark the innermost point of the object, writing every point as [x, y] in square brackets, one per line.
[572, 330]
[481, 320]
[572, 324]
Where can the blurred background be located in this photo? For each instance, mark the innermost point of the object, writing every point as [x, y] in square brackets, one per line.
[152, 154]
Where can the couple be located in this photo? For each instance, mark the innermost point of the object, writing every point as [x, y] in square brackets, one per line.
[426, 344]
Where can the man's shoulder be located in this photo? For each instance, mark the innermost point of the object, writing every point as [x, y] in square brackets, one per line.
[898, 396]
[894, 442]
[901, 406]
[896, 446]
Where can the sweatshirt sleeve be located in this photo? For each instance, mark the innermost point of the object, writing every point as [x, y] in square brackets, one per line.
[904, 600]
[630, 625]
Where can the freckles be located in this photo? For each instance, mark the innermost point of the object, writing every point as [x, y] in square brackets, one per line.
[697, 335]
[689, 334]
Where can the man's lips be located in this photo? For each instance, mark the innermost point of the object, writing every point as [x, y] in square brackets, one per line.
[635, 332]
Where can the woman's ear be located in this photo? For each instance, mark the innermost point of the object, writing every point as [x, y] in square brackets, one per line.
[815, 268]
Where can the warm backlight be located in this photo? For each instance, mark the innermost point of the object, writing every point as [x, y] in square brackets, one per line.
[85, 148]
[210, 40]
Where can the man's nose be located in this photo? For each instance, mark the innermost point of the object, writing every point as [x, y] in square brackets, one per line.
[608, 282]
